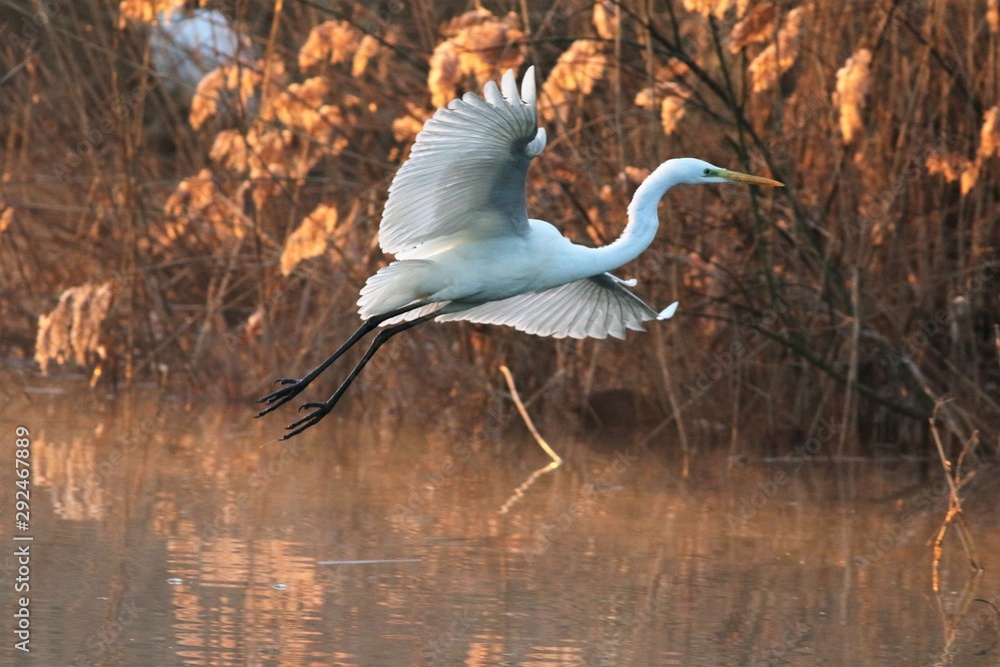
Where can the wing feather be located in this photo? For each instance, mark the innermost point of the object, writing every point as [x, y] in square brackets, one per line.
[467, 171]
[590, 308]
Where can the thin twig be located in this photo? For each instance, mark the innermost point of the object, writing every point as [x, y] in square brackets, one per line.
[675, 403]
[556, 459]
[953, 474]
[519, 491]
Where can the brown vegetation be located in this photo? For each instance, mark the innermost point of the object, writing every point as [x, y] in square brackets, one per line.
[235, 230]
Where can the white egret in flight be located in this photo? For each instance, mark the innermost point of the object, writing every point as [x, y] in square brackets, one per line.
[457, 222]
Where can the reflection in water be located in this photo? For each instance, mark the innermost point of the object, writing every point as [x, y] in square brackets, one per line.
[179, 534]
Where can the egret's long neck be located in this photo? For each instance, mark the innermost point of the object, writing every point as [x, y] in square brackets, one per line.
[642, 219]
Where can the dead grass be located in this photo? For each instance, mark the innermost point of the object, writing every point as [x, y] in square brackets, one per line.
[236, 229]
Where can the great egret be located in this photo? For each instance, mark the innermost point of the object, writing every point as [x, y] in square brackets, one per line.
[185, 46]
[465, 249]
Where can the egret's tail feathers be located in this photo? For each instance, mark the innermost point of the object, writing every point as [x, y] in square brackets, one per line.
[668, 312]
[393, 287]
[594, 307]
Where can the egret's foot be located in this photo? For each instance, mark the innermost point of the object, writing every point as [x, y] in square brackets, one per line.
[274, 400]
[320, 410]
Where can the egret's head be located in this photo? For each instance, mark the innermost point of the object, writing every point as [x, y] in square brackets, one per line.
[694, 172]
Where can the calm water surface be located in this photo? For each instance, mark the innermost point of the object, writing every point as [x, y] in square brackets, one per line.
[169, 533]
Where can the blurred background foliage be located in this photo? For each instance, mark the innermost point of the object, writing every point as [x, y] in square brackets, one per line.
[207, 218]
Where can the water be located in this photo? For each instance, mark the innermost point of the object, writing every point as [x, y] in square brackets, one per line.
[169, 533]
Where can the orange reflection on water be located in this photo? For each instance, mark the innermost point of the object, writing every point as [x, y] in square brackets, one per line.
[178, 533]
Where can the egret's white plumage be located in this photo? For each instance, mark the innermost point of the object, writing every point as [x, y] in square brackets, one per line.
[456, 219]
[466, 174]
[608, 308]
[185, 46]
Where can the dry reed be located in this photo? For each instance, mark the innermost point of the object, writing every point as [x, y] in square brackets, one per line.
[872, 276]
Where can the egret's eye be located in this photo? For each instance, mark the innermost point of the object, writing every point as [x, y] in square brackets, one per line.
[708, 172]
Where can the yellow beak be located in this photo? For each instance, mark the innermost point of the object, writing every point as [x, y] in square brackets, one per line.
[747, 178]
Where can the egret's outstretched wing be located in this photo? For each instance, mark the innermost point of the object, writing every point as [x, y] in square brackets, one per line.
[466, 173]
[590, 308]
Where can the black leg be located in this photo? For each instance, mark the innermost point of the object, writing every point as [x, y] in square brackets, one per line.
[321, 410]
[294, 387]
